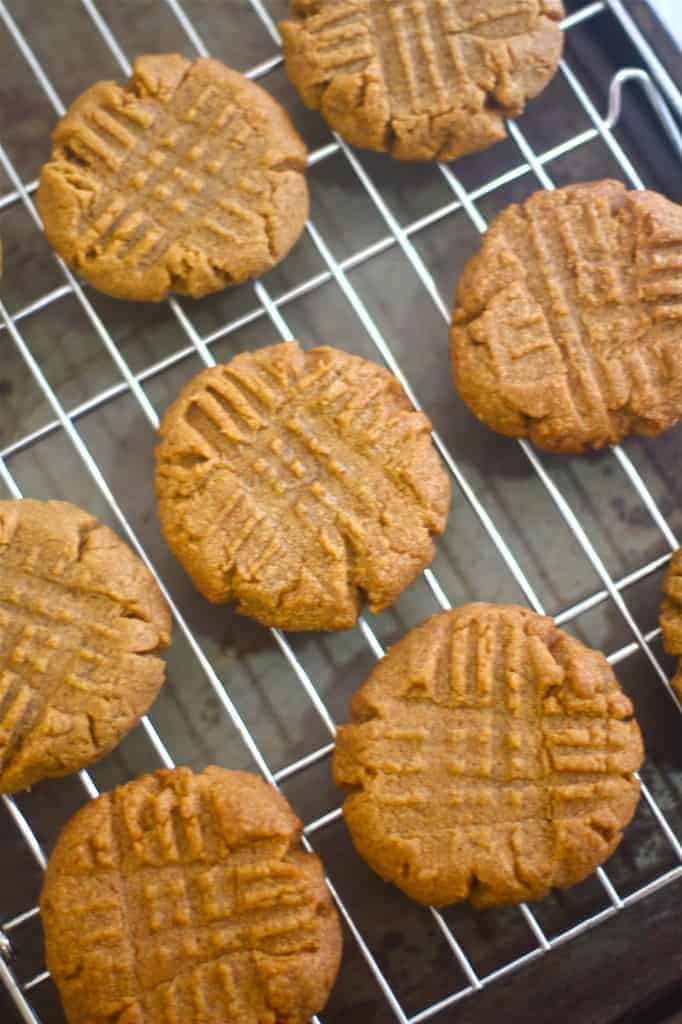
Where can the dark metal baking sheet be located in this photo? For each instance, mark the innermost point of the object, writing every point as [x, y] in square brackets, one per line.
[409, 947]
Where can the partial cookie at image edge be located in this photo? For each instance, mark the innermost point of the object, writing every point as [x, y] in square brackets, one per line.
[82, 626]
[181, 890]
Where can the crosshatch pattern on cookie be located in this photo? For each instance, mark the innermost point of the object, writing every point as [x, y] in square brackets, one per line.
[421, 78]
[293, 481]
[190, 178]
[188, 895]
[81, 622]
[568, 323]
[482, 750]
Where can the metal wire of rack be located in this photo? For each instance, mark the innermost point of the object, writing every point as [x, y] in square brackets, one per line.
[337, 271]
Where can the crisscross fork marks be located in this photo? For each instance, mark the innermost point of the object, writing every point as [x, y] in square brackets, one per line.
[189, 178]
[79, 618]
[487, 732]
[421, 79]
[214, 908]
[415, 43]
[487, 720]
[591, 300]
[294, 460]
[306, 423]
[575, 295]
[177, 166]
[419, 52]
[326, 478]
[50, 649]
[206, 900]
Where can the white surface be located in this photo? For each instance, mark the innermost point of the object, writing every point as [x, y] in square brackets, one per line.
[670, 12]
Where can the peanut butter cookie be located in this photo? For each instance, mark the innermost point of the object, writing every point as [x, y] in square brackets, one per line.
[187, 179]
[567, 326]
[489, 757]
[82, 622]
[421, 79]
[295, 482]
[187, 898]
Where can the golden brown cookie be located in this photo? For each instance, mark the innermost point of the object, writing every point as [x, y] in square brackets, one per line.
[295, 482]
[567, 326]
[489, 757]
[186, 898]
[671, 616]
[421, 79]
[82, 622]
[187, 179]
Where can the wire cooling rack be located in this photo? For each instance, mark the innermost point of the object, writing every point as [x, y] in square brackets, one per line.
[263, 700]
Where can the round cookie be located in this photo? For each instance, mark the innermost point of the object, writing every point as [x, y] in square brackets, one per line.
[295, 482]
[82, 622]
[183, 897]
[421, 79]
[567, 326]
[187, 179]
[671, 616]
[489, 757]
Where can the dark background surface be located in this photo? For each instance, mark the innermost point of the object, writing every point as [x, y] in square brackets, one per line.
[626, 969]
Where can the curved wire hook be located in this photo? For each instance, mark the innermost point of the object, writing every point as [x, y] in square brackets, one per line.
[655, 99]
